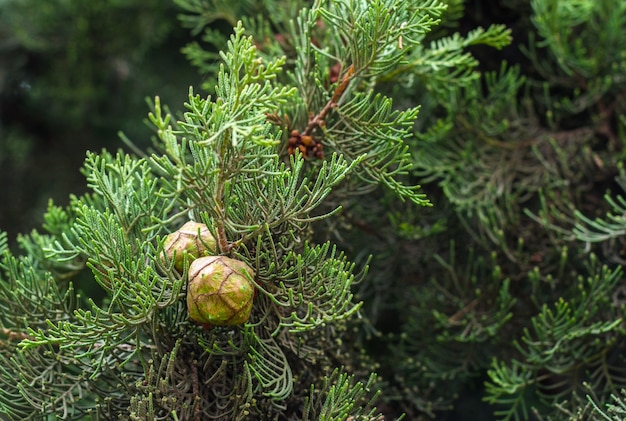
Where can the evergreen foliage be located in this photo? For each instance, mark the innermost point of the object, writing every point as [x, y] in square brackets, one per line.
[516, 160]
[495, 286]
[222, 163]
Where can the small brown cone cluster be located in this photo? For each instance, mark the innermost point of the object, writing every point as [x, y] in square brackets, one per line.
[307, 145]
[189, 242]
[220, 291]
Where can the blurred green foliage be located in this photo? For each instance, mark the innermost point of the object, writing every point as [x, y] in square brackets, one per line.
[72, 74]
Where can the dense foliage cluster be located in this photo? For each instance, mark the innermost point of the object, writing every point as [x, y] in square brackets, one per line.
[494, 289]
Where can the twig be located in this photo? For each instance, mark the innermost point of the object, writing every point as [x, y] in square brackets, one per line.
[13, 335]
[462, 312]
[318, 120]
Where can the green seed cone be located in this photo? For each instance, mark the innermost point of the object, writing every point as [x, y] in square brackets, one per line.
[189, 242]
[220, 291]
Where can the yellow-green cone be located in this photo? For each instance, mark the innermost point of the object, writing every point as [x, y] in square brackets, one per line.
[220, 291]
[190, 241]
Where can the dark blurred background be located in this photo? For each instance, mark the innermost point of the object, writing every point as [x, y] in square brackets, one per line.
[72, 75]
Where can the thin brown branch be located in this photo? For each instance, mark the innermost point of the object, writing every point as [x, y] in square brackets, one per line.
[318, 120]
[456, 317]
[13, 335]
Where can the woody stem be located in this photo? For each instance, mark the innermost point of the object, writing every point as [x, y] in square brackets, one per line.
[318, 120]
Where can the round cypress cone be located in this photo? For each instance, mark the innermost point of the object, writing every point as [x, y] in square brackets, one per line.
[220, 291]
[190, 241]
